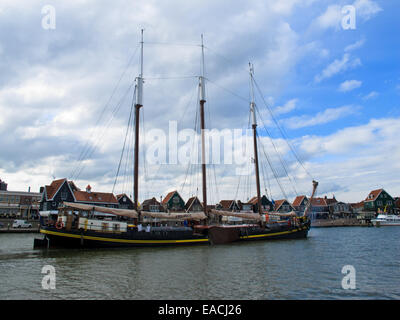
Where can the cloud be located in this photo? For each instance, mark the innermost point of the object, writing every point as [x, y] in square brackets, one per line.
[338, 66]
[331, 18]
[354, 46]
[371, 95]
[366, 9]
[349, 85]
[287, 107]
[323, 117]
[349, 162]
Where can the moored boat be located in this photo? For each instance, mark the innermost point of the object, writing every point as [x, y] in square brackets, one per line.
[386, 220]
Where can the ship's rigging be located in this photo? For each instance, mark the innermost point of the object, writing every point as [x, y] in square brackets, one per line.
[126, 169]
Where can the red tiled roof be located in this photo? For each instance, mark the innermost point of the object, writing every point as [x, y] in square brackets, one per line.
[374, 194]
[82, 196]
[226, 204]
[297, 202]
[168, 197]
[357, 205]
[53, 188]
[330, 201]
[319, 202]
[278, 203]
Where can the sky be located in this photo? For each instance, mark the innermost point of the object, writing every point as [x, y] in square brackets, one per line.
[329, 78]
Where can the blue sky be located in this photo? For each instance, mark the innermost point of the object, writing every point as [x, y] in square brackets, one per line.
[334, 91]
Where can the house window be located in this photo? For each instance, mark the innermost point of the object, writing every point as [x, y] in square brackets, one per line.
[389, 203]
[153, 208]
[64, 195]
[379, 203]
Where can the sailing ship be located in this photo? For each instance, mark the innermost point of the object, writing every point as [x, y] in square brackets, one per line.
[83, 225]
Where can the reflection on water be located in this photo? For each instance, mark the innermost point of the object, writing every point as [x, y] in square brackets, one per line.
[291, 269]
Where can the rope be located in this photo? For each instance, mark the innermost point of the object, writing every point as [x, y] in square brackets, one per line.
[123, 148]
[282, 131]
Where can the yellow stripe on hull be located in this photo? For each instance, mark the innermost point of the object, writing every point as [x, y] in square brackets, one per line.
[270, 234]
[119, 240]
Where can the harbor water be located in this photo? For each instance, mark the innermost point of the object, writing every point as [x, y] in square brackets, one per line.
[289, 269]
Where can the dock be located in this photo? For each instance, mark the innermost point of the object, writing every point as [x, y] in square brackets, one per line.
[329, 223]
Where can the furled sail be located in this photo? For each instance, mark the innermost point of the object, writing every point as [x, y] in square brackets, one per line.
[117, 212]
[249, 216]
[175, 215]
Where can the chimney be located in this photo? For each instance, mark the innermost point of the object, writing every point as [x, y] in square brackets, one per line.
[88, 188]
[29, 189]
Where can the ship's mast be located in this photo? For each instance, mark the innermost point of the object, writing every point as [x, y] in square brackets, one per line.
[202, 127]
[254, 126]
[138, 105]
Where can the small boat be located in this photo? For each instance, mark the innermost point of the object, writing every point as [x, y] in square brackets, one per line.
[383, 220]
[82, 225]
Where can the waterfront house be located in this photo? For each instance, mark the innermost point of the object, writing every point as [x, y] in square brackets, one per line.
[300, 203]
[125, 202]
[57, 192]
[357, 207]
[173, 202]
[193, 205]
[283, 206]
[152, 205]
[319, 208]
[62, 190]
[19, 204]
[340, 209]
[266, 205]
[379, 201]
[228, 205]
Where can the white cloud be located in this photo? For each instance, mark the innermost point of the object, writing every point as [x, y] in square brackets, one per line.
[351, 164]
[371, 95]
[323, 117]
[358, 44]
[331, 18]
[349, 85]
[366, 9]
[287, 107]
[338, 66]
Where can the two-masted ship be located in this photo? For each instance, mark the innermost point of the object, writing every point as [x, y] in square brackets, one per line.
[83, 225]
